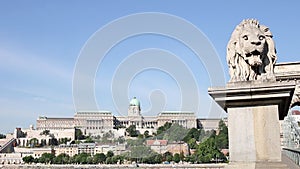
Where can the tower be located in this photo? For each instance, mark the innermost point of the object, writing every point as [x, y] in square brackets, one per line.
[134, 113]
[134, 108]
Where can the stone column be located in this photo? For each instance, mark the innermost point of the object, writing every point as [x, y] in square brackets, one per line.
[254, 110]
[257, 131]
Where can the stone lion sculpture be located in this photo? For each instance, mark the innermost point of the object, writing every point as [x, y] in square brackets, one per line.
[251, 53]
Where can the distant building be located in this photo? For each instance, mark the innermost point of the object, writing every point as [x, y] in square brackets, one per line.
[185, 119]
[94, 122]
[135, 117]
[27, 137]
[11, 158]
[90, 122]
[210, 124]
[46, 123]
[34, 152]
[17, 156]
[159, 146]
[163, 146]
[70, 150]
[117, 149]
[97, 122]
[90, 148]
[178, 147]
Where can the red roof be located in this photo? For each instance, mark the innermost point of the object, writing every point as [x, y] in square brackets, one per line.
[295, 112]
[156, 142]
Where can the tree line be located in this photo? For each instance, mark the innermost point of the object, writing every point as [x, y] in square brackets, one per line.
[82, 158]
[206, 145]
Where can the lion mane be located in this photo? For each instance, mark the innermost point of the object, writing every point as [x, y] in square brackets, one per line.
[251, 53]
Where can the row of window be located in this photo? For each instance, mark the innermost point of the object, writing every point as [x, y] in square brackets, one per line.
[94, 128]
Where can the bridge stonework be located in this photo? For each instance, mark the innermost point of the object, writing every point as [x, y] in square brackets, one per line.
[258, 94]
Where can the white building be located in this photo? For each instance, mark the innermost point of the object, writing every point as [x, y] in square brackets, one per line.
[94, 122]
[98, 122]
[185, 119]
[70, 150]
[26, 137]
[90, 122]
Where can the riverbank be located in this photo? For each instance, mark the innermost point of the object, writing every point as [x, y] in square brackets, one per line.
[142, 166]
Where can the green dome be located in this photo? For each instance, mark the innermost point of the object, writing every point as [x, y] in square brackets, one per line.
[134, 102]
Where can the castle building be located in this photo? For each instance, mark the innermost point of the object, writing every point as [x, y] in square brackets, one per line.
[88, 122]
[92, 122]
[97, 122]
[183, 118]
[135, 117]
[46, 123]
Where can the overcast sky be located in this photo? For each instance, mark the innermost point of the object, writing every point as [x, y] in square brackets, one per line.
[41, 42]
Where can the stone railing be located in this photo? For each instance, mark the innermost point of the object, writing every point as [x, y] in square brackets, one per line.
[292, 154]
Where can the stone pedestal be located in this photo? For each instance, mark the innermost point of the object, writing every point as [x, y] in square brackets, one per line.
[257, 129]
[254, 110]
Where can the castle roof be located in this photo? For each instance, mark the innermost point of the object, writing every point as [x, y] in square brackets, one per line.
[134, 102]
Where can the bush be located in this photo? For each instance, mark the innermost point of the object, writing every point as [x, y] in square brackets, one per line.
[28, 159]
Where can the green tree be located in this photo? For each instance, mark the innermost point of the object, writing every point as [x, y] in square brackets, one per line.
[114, 160]
[28, 159]
[89, 140]
[163, 128]
[150, 159]
[108, 160]
[140, 152]
[175, 133]
[79, 135]
[176, 158]
[89, 160]
[192, 133]
[140, 136]
[131, 130]
[110, 154]
[158, 158]
[120, 158]
[209, 152]
[120, 140]
[137, 142]
[45, 132]
[167, 156]
[2, 136]
[191, 158]
[81, 158]
[99, 158]
[192, 143]
[203, 135]
[62, 159]
[46, 158]
[222, 137]
[146, 134]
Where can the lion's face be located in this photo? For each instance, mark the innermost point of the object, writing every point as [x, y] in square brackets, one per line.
[252, 43]
[251, 52]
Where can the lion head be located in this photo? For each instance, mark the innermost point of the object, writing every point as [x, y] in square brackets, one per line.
[248, 51]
